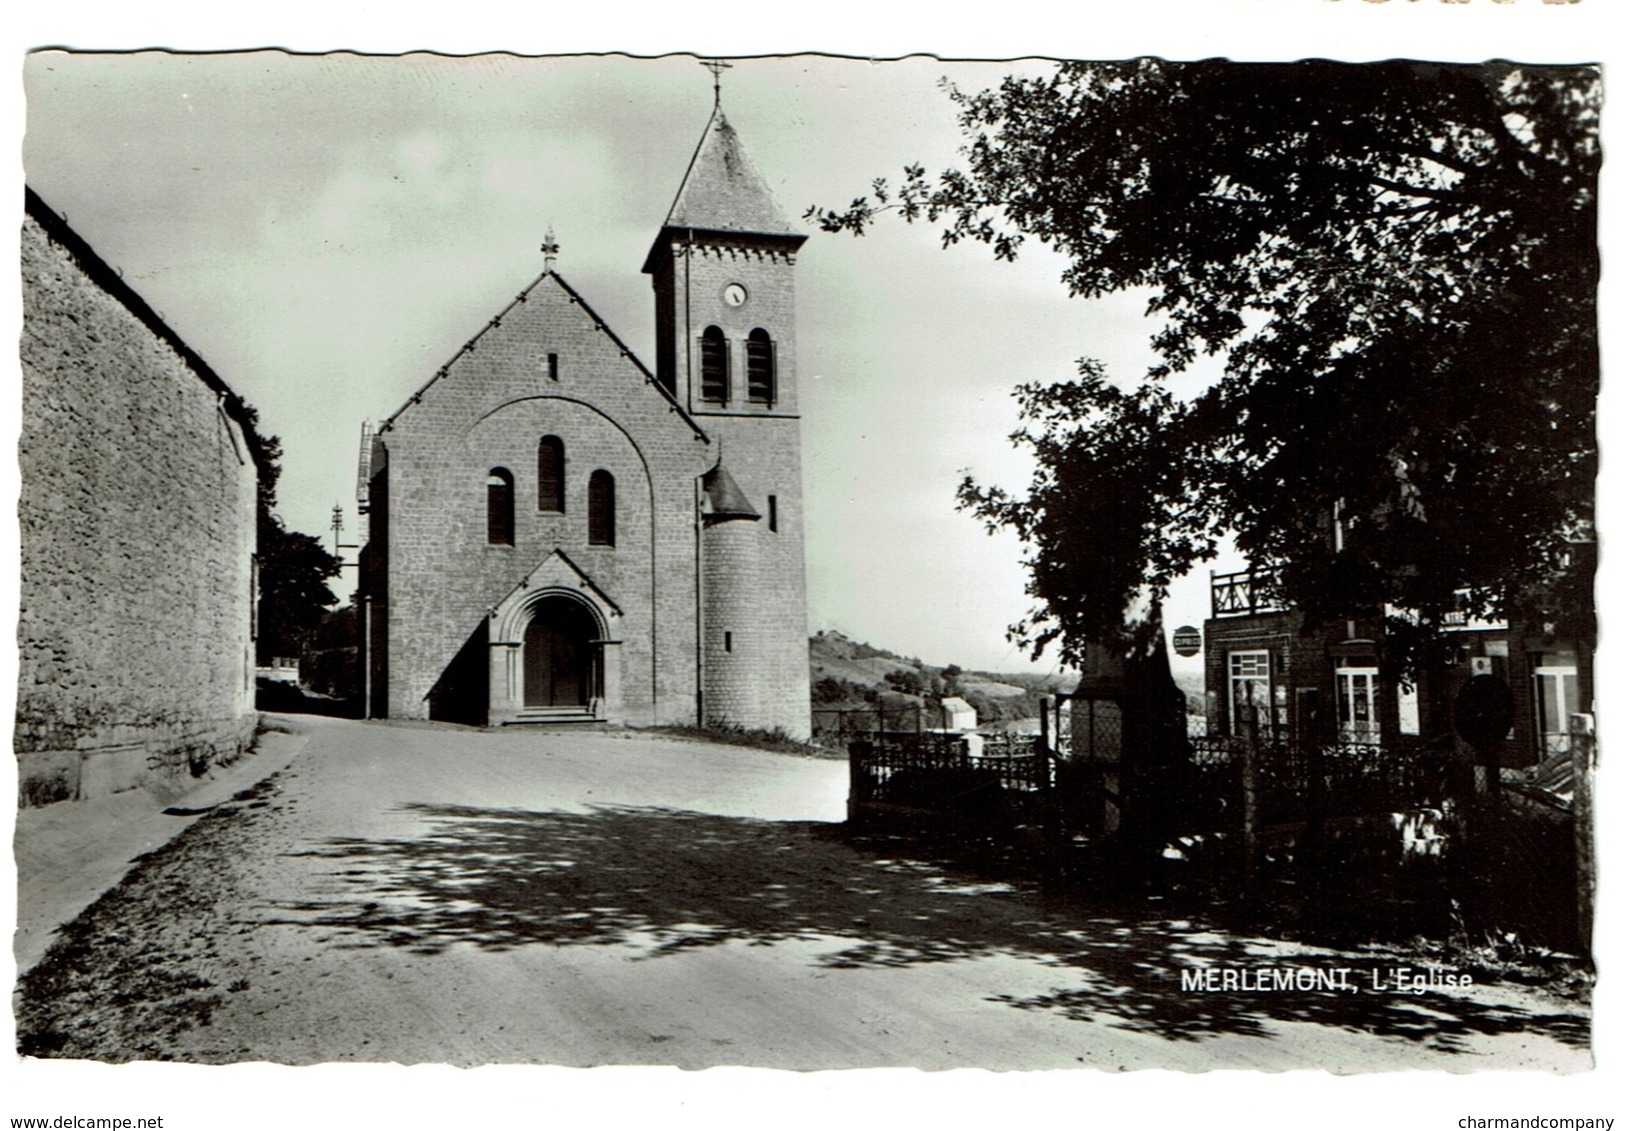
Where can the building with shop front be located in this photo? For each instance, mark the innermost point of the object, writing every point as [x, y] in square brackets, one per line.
[1339, 683]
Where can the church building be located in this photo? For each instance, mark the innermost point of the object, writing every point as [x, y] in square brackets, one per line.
[559, 534]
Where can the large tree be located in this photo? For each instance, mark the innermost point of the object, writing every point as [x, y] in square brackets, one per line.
[294, 568]
[1397, 264]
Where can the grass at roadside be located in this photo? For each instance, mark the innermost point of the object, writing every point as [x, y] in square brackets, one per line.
[775, 740]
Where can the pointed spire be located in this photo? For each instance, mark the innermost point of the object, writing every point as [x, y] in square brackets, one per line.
[722, 191]
[550, 249]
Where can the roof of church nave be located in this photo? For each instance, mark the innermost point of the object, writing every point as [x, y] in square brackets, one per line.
[599, 324]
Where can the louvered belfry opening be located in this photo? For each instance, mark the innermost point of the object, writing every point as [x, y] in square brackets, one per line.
[713, 366]
[760, 382]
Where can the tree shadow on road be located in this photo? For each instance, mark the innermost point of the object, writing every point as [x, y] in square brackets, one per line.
[660, 881]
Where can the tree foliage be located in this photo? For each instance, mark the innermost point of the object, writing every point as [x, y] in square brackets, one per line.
[1398, 265]
[294, 568]
[905, 681]
[294, 595]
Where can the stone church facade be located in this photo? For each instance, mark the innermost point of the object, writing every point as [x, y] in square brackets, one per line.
[558, 533]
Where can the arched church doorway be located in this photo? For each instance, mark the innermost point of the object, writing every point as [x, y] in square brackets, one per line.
[561, 654]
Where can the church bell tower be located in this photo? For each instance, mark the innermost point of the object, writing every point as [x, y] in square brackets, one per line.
[723, 269]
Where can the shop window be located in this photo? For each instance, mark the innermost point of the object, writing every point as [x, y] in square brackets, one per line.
[1357, 719]
[1249, 682]
[1557, 696]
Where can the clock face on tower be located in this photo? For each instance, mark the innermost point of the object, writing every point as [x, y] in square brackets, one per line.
[734, 294]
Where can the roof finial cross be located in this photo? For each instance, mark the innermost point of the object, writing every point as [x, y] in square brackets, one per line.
[550, 249]
[716, 67]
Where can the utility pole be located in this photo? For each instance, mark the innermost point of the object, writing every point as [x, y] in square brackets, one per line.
[364, 629]
[337, 526]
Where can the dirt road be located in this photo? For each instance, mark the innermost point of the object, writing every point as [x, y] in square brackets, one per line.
[428, 894]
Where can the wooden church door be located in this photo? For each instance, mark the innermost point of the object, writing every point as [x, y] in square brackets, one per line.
[559, 655]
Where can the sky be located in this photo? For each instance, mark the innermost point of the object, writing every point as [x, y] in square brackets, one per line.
[327, 230]
[327, 234]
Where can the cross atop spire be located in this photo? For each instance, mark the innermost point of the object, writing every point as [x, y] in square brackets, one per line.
[716, 67]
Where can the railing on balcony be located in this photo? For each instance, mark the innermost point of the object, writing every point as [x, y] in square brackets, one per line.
[1462, 619]
[1244, 594]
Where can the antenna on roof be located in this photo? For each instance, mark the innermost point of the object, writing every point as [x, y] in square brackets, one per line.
[716, 67]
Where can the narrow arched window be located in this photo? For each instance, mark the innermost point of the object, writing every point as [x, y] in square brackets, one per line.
[713, 366]
[550, 474]
[499, 507]
[601, 509]
[761, 382]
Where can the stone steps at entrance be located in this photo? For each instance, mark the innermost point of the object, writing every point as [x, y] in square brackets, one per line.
[575, 717]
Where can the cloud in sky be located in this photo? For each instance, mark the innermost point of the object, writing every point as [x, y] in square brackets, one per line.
[327, 230]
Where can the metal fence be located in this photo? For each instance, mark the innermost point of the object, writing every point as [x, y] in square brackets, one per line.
[1299, 781]
[892, 753]
[838, 726]
[994, 779]
[1351, 836]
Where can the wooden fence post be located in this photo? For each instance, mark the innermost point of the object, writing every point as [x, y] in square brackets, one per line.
[1247, 722]
[1584, 753]
[857, 787]
[1309, 860]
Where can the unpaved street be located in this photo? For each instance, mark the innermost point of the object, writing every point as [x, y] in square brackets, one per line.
[430, 894]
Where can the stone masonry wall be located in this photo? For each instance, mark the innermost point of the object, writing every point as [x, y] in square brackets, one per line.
[735, 646]
[137, 536]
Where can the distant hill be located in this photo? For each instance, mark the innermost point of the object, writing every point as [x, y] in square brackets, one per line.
[1191, 683]
[849, 674]
[832, 654]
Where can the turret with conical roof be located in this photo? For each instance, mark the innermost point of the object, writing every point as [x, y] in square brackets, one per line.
[724, 501]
